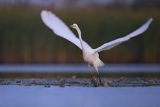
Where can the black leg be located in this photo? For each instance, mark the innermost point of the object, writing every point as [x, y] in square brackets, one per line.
[94, 80]
[100, 78]
[90, 71]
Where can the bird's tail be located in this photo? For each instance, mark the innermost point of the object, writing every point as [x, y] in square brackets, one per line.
[100, 63]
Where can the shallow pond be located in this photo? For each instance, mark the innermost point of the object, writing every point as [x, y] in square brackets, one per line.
[39, 96]
[29, 86]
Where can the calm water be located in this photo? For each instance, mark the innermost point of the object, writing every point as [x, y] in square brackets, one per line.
[79, 68]
[55, 96]
[37, 96]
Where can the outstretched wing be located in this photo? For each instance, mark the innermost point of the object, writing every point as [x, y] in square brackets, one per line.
[60, 28]
[118, 41]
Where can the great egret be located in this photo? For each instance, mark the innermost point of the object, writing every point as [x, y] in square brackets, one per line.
[90, 55]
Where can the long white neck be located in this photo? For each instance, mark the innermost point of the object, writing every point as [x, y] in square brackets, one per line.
[80, 38]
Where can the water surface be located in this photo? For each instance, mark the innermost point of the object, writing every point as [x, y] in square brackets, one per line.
[38, 96]
[83, 68]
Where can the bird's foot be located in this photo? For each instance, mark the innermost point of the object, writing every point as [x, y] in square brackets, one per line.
[105, 83]
[95, 82]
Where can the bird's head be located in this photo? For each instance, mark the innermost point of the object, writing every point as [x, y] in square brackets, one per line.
[74, 26]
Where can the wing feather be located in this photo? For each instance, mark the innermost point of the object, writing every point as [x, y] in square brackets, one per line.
[60, 28]
[118, 41]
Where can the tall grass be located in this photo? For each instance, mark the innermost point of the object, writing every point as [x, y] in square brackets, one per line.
[25, 39]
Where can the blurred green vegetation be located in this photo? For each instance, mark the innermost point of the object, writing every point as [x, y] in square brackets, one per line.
[25, 39]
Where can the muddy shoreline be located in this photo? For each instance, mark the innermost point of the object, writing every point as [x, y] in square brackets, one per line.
[82, 82]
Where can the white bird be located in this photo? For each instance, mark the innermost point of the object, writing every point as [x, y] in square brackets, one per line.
[90, 55]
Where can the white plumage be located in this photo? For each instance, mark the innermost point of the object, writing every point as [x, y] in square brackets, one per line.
[60, 28]
[90, 55]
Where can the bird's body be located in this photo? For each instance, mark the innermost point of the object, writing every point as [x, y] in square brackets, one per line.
[93, 60]
[90, 55]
